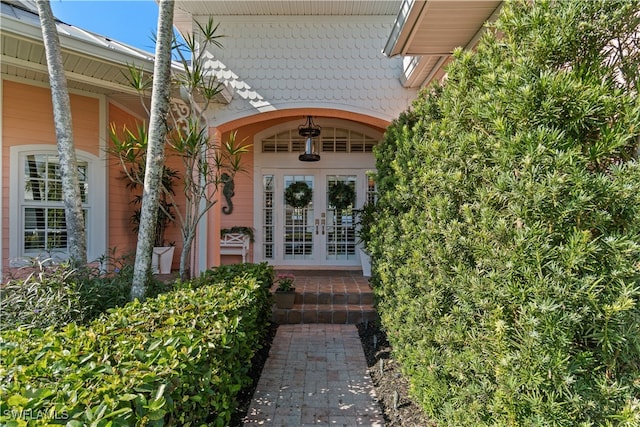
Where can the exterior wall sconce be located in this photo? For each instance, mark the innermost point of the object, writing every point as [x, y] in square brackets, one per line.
[309, 131]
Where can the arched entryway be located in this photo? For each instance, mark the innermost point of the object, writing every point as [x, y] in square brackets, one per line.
[322, 232]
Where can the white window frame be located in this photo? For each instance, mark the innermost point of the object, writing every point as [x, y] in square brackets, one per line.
[95, 204]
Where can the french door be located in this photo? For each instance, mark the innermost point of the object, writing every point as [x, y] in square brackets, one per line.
[308, 216]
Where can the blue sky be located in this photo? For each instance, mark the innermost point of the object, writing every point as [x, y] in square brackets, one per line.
[128, 21]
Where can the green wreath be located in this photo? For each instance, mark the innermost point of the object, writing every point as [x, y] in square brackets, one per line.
[298, 194]
[341, 195]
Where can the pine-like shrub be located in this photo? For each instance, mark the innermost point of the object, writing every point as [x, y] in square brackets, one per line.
[506, 247]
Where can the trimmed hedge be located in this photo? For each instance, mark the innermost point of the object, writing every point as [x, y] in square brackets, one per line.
[506, 246]
[178, 359]
[263, 273]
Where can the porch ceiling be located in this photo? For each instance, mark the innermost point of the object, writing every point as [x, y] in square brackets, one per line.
[288, 7]
[432, 29]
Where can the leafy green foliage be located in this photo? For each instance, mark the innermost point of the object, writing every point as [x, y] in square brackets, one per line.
[48, 295]
[263, 273]
[178, 359]
[506, 240]
[130, 149]
[109, 285]
[207, 165]
[56, 294]
[365, 217]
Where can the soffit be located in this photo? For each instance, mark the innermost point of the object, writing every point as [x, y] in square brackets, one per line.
[427, 31]
[290, 7]
[92, 63]
[437, 27]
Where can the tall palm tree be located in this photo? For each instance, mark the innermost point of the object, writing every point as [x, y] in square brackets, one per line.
[155, 149]
[76, 241]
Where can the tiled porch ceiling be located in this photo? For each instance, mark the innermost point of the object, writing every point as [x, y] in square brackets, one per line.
[289, 7]
[429, 30]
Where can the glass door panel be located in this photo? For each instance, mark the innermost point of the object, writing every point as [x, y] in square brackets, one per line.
[340, 239]
[299, 221]
[317, 227]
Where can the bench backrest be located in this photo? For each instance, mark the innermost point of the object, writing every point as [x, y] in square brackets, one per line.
[235, 239]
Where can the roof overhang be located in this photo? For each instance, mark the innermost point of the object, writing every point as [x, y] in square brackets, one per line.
[220, 8]
[429, 31]
[92, 63]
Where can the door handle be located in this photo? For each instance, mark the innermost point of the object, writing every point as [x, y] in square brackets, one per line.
[322, 222]
[317, 222]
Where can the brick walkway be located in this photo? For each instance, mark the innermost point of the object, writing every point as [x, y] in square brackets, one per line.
[315, 375]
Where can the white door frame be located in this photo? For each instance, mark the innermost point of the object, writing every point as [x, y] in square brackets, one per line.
[320, 177]
[287, 163]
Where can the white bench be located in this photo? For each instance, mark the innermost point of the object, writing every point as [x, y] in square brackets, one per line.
[235, 244]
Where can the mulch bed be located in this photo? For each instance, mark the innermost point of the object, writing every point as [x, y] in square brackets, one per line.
[391, 387]
[246, 394]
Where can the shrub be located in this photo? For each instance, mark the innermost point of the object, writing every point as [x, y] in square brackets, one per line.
[263, 273]
[506, 244]
[56, 294]
[178, 359]
[48, 295]
[108, 285]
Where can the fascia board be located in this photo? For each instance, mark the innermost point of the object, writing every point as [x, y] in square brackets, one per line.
[403, 27]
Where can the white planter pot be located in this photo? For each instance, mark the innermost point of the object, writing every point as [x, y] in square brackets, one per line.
[162, 259]
[365, 261]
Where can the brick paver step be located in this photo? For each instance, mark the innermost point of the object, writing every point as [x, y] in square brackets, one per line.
[325, 313]
[346, 297]
[330, 298]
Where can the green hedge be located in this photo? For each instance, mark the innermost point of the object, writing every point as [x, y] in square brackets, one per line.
[506, 247]
[178, 359]
[263, 273]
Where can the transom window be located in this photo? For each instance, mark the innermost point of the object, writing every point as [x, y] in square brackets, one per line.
[331, 140]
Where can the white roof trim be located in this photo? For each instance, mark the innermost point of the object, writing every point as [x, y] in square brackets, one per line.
[26, 25]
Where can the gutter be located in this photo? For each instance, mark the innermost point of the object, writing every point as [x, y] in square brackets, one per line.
[106, 51]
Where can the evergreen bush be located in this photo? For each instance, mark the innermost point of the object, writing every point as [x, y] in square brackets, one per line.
[506, 244]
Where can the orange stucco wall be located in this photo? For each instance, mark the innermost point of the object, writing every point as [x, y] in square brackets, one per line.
[121, 235]
[242, 214]
[27, 118]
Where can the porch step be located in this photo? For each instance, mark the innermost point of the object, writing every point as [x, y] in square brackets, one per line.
[324, 313]
[354, 296]
[329, 297]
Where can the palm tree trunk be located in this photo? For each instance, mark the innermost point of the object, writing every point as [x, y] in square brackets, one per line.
[185, 258]
[155, 149]
[76, 240]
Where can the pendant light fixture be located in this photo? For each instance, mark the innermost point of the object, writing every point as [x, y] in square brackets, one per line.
[309, 131]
